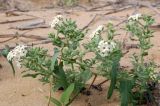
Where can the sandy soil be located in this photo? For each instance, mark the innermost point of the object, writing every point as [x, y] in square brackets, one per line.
[18, 91]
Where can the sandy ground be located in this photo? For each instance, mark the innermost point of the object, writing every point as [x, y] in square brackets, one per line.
[18, 91]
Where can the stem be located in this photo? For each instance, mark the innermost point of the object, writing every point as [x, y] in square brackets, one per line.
[141, 57]
[92, 81]
[102, 82]
[142, 60]
[124, 40]
[12, 67]
[50, 92]
[72, 66]
[61, 55]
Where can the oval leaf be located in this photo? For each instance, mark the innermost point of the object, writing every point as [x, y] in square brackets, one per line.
[66, 94]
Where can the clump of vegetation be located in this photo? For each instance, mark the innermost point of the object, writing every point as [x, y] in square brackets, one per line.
[68, 69]
[68, 2]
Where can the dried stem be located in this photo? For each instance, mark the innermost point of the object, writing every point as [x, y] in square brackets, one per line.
[95, 76]
[50, 92]
[7, 40]
[102, 82]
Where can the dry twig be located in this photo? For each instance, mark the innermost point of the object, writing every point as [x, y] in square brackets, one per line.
[90, 22]
[12, 21]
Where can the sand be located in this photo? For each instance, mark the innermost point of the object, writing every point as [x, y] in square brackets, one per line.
[18, 91]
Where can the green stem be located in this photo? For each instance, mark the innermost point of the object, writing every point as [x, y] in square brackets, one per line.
[142, 58]
[72, 66]
[50, 91]
[10, 62]
[61, 54]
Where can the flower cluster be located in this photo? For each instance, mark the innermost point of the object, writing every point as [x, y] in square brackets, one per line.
[153, 75]
[16, 54]
[97, 31]
[134, 17]
[56, 20]
[106, 47]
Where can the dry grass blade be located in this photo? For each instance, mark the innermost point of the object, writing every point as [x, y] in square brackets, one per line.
[117, 10]
[90, 22]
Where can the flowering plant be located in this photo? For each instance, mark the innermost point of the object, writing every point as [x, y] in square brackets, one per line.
[69, 69]
[144, 75]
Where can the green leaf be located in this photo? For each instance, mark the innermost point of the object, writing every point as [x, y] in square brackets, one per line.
[54, 58]
[113, 79]
[86, 75]
[56, 102]
[62, 79]
[66, 94]
[125, 89]
[5, 51]
[61, 71]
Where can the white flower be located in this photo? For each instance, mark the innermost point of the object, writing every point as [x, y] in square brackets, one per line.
[106, 47]
[112, 45]
[101, 43]
[59, 17]
[153, 75]
[97, 31]
[134, 17]
[56, 20]
[16, 54]
[11, 55]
